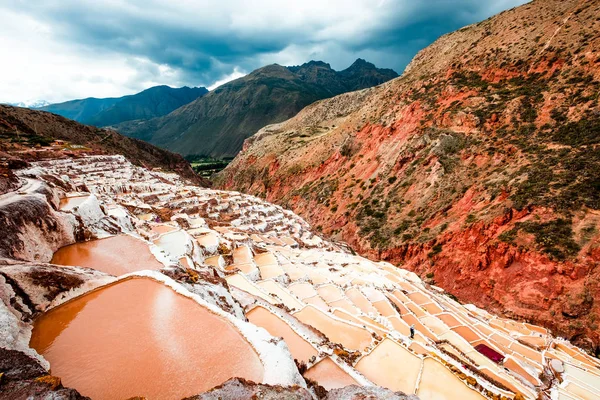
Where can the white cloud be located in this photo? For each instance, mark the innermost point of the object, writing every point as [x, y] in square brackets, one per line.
[234, 75]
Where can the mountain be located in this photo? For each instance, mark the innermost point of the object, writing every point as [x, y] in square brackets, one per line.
[81, 110]
[477, 169]
[153, 102]
[217, 124]
[30, 104]
[28, 135]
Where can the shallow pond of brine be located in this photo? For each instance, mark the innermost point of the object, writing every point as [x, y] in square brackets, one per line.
[116, 255]
[140, 338]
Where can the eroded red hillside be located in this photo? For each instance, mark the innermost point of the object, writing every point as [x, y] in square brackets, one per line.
[478, 168]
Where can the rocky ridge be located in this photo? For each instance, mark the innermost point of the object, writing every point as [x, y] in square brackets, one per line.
[32, 135]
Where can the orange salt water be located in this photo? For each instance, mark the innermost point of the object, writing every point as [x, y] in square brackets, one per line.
[299, 347]
[116, 255]
[140, 338]
[329, 375]
[163, 228]
[68, 203]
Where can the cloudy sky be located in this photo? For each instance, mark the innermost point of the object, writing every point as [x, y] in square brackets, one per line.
[58, 50]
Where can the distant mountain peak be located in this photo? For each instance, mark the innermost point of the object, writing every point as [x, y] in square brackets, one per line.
[311, 65]
[30, 104]
[218, 124]
[362, 63]
[153, 102]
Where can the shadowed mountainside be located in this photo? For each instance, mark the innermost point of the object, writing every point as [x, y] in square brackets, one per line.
[28, 135]
[150, 103]
[216, 124]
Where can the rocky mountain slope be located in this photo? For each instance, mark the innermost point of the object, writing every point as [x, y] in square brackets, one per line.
[219, 274]
[150, 103]
[217, 124]
[477, 169]
[29, 135]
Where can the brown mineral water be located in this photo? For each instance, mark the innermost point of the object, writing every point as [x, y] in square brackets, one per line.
[115, 255]
[68, 203]
[140, 338]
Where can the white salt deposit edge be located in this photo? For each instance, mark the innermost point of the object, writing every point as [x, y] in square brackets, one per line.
[84, 288]
[89, 210]
[15, 334]
[278, 363]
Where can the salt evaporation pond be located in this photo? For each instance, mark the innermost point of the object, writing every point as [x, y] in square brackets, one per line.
[68, 203]
[140, 338]
[175, 243]
[116, 255]
[329, 375]
[299, 347]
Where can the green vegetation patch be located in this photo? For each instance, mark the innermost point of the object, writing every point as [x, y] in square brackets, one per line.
[554, 238]
[206, 166]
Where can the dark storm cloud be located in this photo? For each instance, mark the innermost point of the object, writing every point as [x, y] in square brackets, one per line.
[205, 40]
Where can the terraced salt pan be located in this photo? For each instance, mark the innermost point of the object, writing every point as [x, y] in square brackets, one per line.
[270, 271]
[276, 290]
[303, 290]
[209, 241]
[163, 228]
[371, 325]
[330, 293]
[467, 333]
[146, 217]
[350, 336]
[519, 370]
[116, 255]
[134, 338]
[586, 379]
[174, 243]
[318, 302]
[299, 347]
[385, 308]
[318, 278]
[294, 272]
[361, 301]
[241, 282]
[400, 326]
[344, 305]
[392, 366]
[215, 261]
[439, 382]
[263, 259]
[329, 375]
